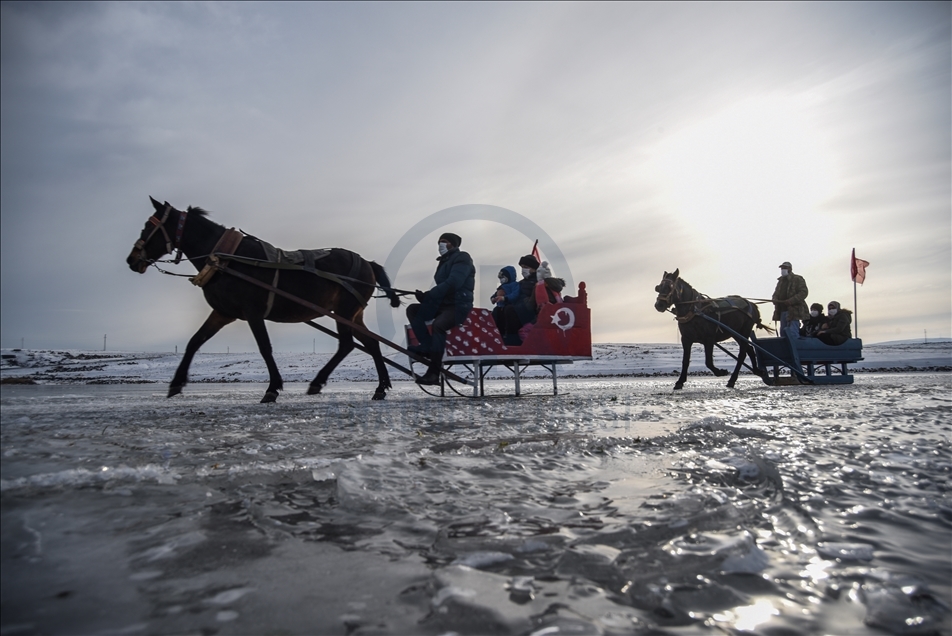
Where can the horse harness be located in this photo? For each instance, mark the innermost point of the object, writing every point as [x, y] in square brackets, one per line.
[704, 304]
[224, 252]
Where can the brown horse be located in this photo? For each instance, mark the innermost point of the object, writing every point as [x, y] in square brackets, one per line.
[690, 307]
[340, 281]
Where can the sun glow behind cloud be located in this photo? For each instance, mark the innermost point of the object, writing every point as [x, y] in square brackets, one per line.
[751, 182]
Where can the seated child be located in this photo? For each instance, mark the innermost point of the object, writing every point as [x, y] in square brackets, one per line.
[507, 293]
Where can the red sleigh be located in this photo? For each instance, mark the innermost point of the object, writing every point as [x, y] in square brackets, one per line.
[561, 334]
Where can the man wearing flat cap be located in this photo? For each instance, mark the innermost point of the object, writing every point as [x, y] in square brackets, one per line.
[790, 301]
[447, 304]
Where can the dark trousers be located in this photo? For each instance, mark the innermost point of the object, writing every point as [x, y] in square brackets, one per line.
[833, 340]
[443, 318]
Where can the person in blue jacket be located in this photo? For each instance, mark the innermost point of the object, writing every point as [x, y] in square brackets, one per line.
[507, 293]
[447, 304]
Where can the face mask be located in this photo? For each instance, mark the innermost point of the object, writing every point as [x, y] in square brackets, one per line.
[444, 248]
[814, 313]
[784, 272]
[833, 312]
[503, 280]
[525, 272]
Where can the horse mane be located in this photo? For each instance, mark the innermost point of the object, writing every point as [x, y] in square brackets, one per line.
[197, 210]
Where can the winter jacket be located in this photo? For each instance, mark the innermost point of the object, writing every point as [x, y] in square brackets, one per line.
[455, 281]
[790, 296]
[838, 329]
[812, 325]
[512, 290]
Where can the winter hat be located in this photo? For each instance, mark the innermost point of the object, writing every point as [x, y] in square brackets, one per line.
[834, 305]
[817, 307]
[529, 261]
[786, 265]
[452, 239]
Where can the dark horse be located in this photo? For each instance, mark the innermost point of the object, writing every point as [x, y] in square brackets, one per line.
[193, 234]
[737, 313]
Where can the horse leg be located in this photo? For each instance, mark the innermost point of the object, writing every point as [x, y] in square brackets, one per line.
[260, 333]
[741, 355]
[383, 377]
[345, 344]
[685, 361]
[709, 360]
[212, 325]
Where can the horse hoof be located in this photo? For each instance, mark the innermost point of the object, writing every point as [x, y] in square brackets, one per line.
[678, 387]
[173, 391]
[379, 395]
[314, 389]
[730, 385]
[270, 396]
[721, 372]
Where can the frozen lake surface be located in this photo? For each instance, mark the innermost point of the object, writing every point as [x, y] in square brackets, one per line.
[618, 507]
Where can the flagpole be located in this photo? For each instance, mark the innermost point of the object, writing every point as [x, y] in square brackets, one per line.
[855, 311]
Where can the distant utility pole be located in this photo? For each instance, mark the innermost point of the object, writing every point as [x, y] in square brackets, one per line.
[313, 345]
[21, 343]
[104, 342]
[925, 336]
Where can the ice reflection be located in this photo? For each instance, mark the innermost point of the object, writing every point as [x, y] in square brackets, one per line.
[748, 617]
[816, 570]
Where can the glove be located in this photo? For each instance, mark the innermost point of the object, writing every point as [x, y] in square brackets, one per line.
[420, 296]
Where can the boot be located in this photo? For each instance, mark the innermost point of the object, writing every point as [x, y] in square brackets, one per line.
[432, 375]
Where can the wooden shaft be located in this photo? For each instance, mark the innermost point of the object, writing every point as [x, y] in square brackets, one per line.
[344, 321]
[393, 364]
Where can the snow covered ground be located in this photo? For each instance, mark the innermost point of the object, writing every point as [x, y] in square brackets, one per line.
[609, 360]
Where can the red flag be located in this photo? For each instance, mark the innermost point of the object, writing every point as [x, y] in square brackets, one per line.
[535, 251]
[858, 268]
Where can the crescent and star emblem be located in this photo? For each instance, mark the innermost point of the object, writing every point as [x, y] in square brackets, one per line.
[557, 320]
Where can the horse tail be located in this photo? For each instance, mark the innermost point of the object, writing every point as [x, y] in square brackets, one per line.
[384, 282]
[755, 314]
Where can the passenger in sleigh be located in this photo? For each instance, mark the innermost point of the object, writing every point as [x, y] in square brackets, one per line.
[813, 324]
[523, 311]
[508, 293]
[548, 290]
[836, 330]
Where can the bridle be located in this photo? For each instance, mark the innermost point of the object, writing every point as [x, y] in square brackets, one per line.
[159, 224]
[669, 297]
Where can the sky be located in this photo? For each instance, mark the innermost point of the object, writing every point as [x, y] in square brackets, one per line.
[717, 138]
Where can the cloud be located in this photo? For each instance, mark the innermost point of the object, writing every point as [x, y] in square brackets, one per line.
[317, 125]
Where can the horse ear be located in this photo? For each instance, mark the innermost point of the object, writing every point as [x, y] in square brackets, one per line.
[675, 272]
[155, 204]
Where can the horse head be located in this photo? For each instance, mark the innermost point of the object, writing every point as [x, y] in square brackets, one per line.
[156, 239]
[667, 290]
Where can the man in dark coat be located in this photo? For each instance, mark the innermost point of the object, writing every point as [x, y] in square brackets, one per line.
[447, 304]
[790, 304]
